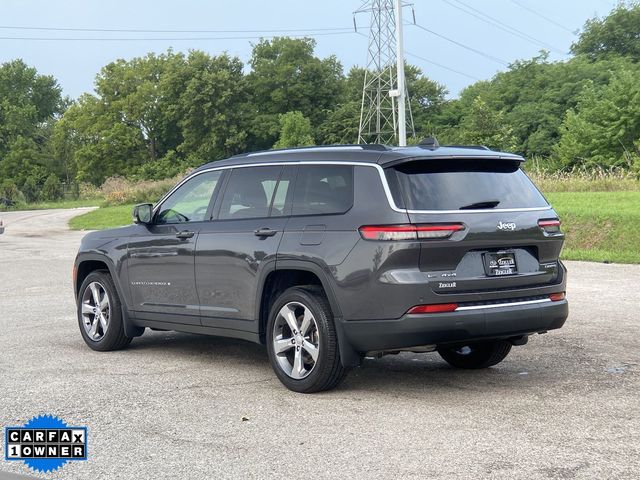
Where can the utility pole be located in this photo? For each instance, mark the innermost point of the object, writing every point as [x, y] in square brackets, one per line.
[402, 125]
[385, 100]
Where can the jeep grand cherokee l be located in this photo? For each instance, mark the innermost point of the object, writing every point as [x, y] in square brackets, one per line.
[330, 254]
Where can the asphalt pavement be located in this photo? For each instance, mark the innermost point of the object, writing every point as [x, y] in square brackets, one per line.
[172, 405]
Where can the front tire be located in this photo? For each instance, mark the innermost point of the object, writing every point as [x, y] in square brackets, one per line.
[302, 342]
[476, 355]
[100, 313]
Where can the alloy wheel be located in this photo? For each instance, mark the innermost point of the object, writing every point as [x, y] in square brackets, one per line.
[96, 311]
[296, 340]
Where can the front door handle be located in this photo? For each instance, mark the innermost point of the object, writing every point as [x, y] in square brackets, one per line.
[265, 232]
[183, 235]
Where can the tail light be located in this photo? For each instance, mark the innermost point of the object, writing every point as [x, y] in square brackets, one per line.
[409, 232]
[437, 308]
[556, 297]
[550, 225]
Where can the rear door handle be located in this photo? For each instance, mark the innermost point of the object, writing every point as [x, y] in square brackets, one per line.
[265, 232]
[183, 235]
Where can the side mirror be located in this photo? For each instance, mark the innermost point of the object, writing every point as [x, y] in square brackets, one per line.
[142, 213]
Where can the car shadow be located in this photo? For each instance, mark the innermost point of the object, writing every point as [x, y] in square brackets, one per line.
[394, 374]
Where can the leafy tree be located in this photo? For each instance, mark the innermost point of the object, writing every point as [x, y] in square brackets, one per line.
[534, 96]
[286, 76]
[52, 189]
[27, 99]
[605, 127]
[295, 131]
[341, 123]
[483, 125]
[616, 34]
[155, 113]
[23, 159]
[426, 99]
[212, 107]
[142, 93]
[29, 102]
[103, 145]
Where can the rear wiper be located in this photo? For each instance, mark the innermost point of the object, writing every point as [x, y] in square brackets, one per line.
[478, 205]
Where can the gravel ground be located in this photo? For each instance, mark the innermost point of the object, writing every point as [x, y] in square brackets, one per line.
[187, 406]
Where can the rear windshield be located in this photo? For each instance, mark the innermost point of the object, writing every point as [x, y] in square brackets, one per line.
[463, 184]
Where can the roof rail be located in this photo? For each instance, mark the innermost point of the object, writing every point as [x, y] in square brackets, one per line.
[470, 147]
[363, 146]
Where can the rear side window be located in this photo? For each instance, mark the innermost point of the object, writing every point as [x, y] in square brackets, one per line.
[323, 189]
[249, 192]
[464, 184]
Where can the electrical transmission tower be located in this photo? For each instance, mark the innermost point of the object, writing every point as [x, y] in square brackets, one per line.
[384, 93]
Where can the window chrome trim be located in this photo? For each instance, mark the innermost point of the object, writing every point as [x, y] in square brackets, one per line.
[499, 305]
[383, 179]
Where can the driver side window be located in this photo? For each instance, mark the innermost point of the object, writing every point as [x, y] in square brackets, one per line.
[190, 202]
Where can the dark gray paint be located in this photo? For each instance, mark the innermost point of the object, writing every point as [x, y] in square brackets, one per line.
[218, 275]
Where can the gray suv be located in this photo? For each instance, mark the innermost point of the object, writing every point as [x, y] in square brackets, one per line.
[330, 254]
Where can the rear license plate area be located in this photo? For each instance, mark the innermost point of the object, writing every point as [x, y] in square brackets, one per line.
[498, 264]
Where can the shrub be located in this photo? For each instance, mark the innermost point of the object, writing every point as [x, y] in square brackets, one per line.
[167, 167]
[30, 189]
[9, 190]
[119, 190]
[52, 188]
[88, 191]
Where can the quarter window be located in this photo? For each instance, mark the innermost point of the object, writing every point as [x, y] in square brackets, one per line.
[323, 189]
[190, 202]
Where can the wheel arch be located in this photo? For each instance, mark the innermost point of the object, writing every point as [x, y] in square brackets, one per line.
[292, 273]
[289, 274]
[87, 263]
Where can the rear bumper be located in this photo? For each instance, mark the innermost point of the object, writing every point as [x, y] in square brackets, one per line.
[452, 327]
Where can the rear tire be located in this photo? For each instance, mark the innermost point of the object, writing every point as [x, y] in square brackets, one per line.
[100, 313]
[302, 342]
[476, 355]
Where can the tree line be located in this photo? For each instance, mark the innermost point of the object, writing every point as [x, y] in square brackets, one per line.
[155, 116]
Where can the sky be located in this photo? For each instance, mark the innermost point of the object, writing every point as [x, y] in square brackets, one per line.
[475, 49]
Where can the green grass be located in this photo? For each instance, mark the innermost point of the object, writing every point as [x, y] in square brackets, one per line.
[600, 226]
[105, 217]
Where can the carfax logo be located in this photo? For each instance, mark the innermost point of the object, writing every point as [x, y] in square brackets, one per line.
[45, 443]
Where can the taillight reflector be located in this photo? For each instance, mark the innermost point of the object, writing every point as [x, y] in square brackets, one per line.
[556, 297]
[437, 308]
[408, 232]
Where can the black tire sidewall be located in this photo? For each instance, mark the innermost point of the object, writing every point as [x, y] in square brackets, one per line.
[483, 355]
[319, 376]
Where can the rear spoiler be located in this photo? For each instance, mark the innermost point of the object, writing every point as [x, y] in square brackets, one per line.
[506, 158]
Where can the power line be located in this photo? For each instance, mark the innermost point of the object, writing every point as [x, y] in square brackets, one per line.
[538, 14]
[442, 66]
[462, 45]
[501, 25]
[432, 62]
[136, 30]
[162, 39]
